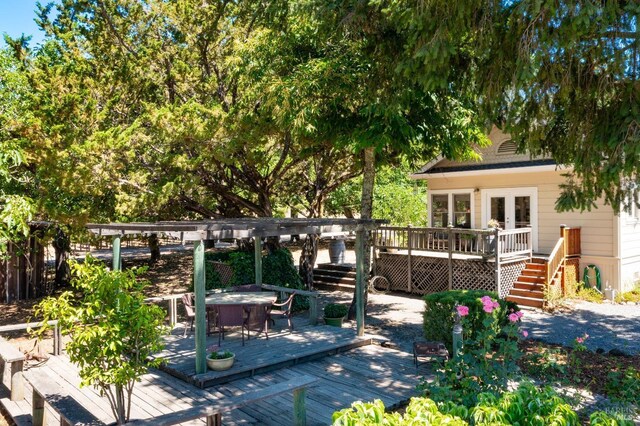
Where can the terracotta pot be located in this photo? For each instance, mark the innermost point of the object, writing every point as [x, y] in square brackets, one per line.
[220, 364]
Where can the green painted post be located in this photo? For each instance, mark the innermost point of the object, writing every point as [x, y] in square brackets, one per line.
[299, 407]
[360, 281]
[117, 262]
[258, 256]
[200, 320]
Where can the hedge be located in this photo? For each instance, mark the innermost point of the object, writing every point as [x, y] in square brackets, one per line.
[438, 313]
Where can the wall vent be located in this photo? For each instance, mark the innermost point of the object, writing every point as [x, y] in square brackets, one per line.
[507, 147]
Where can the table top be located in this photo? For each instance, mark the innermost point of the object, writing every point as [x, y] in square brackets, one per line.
[242, 298]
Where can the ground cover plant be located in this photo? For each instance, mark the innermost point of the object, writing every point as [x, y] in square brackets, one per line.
[527, 405]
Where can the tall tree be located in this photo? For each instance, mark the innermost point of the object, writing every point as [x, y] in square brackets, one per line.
[560, 76]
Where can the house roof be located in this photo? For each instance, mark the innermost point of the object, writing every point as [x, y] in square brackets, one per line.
[484, 166]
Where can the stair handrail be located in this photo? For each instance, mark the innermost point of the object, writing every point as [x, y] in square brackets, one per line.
[556, 258]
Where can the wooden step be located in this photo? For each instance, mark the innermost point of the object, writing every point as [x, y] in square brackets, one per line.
[346, 267]
[333, 279]
[535, 294]
[334, 273]
[526, 301]
[532, 279]
[536, 266]
[319, 285]
[532, 273]
[523, 285]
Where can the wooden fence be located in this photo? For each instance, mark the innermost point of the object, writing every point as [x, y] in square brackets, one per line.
[437, 259]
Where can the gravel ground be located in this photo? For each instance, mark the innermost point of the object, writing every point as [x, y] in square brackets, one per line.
[609, 326]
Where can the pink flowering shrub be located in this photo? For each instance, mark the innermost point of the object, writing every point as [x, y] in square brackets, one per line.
[487, 359]
[439, 309]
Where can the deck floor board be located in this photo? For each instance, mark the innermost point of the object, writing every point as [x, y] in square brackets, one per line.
[365, 372]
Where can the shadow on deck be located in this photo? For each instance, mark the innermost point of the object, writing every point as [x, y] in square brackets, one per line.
[258, 355]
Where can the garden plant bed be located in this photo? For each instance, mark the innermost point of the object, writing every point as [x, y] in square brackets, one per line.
[551, 363]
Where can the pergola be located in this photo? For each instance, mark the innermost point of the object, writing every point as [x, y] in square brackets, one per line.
[257, 228]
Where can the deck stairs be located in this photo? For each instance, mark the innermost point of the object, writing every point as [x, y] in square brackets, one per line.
[333, 276]
[528, 290]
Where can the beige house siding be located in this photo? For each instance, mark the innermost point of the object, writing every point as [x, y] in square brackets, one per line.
[629, 250]
[490, 154]
[597, 225]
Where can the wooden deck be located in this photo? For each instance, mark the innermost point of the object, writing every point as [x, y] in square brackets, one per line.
[363, 373]
[282, 349]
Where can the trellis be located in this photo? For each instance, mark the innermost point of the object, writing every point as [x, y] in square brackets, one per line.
[256, 228]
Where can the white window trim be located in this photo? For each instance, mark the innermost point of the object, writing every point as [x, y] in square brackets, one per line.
[451, 193]
[631, 217]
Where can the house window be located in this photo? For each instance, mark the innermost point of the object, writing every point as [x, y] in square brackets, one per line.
[462, 210]
[453, 208]
[439, 210]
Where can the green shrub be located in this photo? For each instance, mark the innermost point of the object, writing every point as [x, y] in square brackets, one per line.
[624, 386]
[438, 314]
[335, 310]
[528, 405]
[484, 364]
[601, 418]
[277, 269]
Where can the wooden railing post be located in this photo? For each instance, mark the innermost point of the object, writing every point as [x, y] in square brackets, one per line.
[409, 263]
[497, 259]
[449, 230]
[299, 407]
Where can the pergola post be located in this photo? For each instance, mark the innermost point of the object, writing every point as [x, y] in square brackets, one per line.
[200, 320]
[117, 262]
[258, 259]
[360, 279]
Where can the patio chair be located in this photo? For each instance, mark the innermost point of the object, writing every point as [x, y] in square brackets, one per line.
[283, 310]
[231, 316]
[258, 319]
[187, 301]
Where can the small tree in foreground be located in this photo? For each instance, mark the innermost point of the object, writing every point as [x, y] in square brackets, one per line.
[113, 331]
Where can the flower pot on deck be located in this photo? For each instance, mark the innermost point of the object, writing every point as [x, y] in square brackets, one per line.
[334, 322]
[221, 364]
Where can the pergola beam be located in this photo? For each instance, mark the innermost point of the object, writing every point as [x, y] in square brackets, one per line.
[257, 228]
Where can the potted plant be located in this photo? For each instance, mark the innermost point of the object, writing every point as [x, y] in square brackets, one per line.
[334, 313]
[220, 360]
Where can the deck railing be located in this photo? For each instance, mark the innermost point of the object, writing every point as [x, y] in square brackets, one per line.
[556, 259]
[480, 242]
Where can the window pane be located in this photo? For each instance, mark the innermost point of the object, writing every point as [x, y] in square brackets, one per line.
[462, 212]
[497, 210]
[523, 211]
[439, 210]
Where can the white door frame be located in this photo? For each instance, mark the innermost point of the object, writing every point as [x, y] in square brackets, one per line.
[509, 194]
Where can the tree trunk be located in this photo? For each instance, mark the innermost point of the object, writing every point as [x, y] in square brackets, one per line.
[272, 244]
[366, 209]
[61, 245]
[154, 246]
[308, 259]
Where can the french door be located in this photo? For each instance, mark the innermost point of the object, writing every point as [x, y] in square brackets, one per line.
[513, 208]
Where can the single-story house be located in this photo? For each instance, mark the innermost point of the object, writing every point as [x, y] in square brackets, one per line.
[519, 191]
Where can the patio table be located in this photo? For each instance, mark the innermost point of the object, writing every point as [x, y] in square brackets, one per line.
[256, 305]
[242, 298]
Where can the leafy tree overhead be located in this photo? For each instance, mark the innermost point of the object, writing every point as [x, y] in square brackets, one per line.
[560, 76]
[395, 197]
